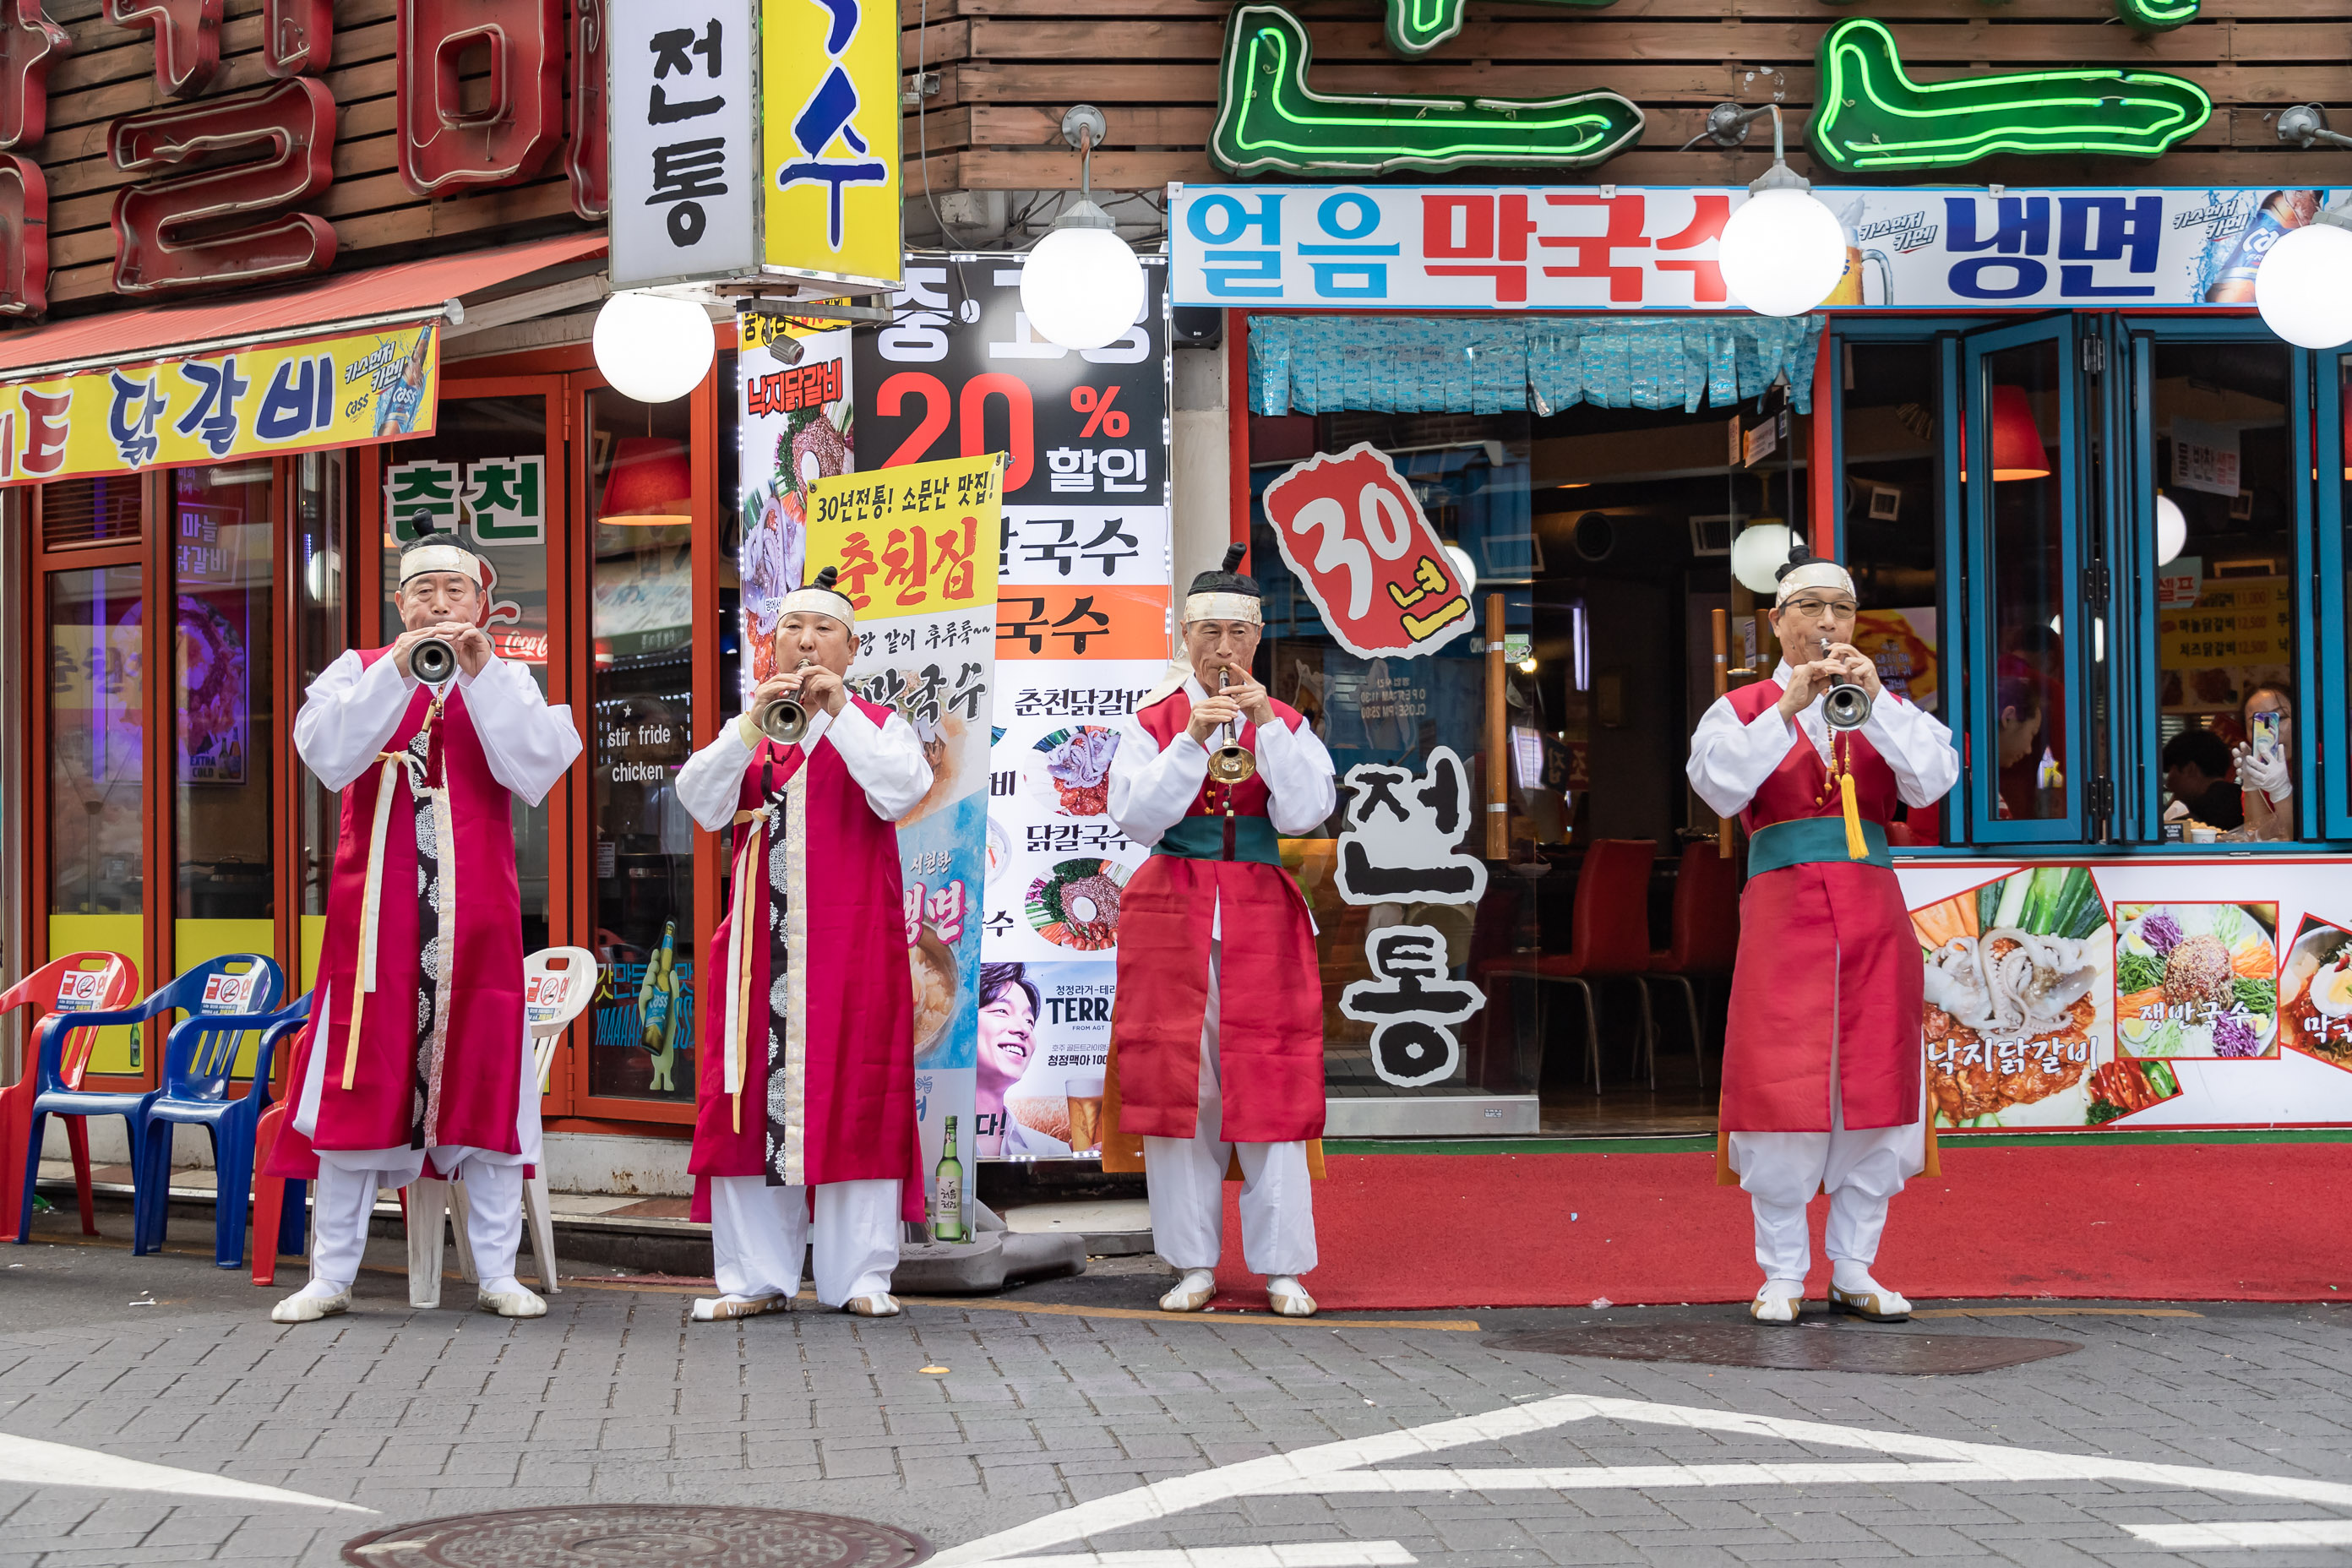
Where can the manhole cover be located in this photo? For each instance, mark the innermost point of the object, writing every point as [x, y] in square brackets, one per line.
[636, 1535]
[1805, 1348]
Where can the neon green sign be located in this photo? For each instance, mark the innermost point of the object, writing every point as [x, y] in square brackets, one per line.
[1268, 118]
[1417, 27]
[2156, 15]
[1873, 116]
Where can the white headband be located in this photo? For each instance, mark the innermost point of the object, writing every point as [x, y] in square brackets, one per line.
[1814, 574]
[441, 558]
[819, 601]
[1223, 607]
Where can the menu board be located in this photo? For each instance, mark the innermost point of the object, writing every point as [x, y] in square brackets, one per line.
[2234, 637]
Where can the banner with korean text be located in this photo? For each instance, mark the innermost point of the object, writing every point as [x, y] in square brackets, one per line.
[1082, 634]
[1578, 247]
[791, 386]
[829, 131]
[263, 402]
[913, 549]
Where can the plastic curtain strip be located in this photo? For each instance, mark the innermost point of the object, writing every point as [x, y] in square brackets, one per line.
[1402, 364]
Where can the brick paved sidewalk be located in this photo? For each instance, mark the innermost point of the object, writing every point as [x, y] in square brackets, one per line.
[614, 1397]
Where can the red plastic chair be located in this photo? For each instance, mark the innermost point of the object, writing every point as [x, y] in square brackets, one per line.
[90, 981]
[1611, 935]
[277, 1225]
[1706, 935]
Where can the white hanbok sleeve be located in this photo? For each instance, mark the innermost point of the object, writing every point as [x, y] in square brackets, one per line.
[1152, 787]
[1299, 776]
[1729, 760]
[711, 781]
[1917, 746]
[886, 759]
[348, 715]
[527, 743]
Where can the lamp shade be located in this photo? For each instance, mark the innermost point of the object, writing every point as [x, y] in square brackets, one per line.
[1781, 252]
[2171, 530]
[1082, 288]
[2017, 451]
[653, 348]
[1756, 556]
[650, 483]
[2300, 290]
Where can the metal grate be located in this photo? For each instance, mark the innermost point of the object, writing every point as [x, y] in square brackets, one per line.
[102, 510]
[607, 1535]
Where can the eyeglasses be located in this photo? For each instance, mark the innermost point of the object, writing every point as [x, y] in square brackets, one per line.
[1814, 609]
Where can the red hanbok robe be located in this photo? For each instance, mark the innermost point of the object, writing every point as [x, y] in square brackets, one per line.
[1270, 1031]
[368, 1029]
[1826, 955]
[848, 1110]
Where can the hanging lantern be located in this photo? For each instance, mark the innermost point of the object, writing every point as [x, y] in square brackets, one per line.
[1757, 554]
[649, 484]
[2171, 530]
[2017, 451]
[2299, 287]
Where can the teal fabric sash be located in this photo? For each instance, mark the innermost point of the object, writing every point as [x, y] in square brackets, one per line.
[1810, 841]
[1203, 839]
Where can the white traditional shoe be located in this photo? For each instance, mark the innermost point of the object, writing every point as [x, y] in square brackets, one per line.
[1772, 1306]
[518, 1303]
[721, 1308]
[302, 1308]
[1191, 1292]
[881, 1304]
[1288, 1298]
[1876, 1304]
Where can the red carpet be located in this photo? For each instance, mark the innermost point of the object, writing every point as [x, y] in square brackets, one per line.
[2255, 1222]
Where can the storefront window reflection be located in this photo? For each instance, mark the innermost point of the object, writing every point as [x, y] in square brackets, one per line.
[226, 725]
[641, 730]
[2027, 552]
[97, 796]
[483, 477]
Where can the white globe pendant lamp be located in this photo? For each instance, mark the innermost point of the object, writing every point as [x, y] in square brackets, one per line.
[1081, 286]
[1783, 251]
[2171, 530]
[653, 348]
[2300, 287]
[1757, 554]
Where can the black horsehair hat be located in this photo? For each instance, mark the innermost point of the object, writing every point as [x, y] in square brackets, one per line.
[1225, 595]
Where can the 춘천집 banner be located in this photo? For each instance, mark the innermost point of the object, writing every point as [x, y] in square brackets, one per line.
[261, 402]
[1544, 247]
[2157, 993]
[913, 546]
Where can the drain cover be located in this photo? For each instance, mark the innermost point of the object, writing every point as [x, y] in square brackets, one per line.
[1803, 1348]
[636, 1535]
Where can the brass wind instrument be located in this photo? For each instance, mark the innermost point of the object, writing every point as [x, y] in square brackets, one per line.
[781, 719]
[1847, 706]
[433, 661]
[1230, 763]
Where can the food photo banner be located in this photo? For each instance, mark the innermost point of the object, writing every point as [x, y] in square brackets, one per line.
[914, 548]
[1082, 634]
[1536, 248]
[2171, 993]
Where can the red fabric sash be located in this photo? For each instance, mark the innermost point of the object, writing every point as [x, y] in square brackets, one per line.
[1270, 1037]
[481, 1072]
[860, 1085]
[1826, 953]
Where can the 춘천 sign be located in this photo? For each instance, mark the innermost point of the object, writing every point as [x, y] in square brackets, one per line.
[1534, 247]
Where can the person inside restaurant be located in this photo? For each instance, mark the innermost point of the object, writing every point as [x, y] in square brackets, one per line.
[2197, 772]
[2265, 779]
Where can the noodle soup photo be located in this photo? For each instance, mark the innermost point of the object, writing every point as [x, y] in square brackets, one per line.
[2018, 993]
[2197, 980]
[2316, 1015]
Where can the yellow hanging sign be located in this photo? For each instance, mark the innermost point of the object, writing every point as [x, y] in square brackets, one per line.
[829, 129]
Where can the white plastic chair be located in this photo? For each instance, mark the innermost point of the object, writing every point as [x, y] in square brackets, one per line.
[558, 984]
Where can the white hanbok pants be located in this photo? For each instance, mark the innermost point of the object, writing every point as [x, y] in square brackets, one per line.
[1862, 1169]
[1185, 1181]
[346, 1199]
[758, 1234]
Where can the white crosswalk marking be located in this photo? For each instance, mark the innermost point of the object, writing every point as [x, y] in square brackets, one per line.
[1286, 1554]
[29, 1461]
[2248, 1532]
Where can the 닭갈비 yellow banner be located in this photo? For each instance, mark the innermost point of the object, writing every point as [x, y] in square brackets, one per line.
[278, 398]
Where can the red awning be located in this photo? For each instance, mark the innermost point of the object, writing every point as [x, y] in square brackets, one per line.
[355, 301]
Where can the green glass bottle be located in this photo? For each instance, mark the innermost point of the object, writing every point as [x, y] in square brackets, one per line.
[947, 1192]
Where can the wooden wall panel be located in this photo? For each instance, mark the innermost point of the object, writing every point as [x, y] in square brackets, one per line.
[1009, 68]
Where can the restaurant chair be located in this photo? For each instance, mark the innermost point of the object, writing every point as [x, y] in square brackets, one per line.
[64, 988]
[1609, 941]
[281, 1204]
[558, 984]
[1705, 939]
[198, 1057]
[237, 982]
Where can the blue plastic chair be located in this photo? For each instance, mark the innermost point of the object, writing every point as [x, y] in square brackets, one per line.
[196, 1092]
[237, 982]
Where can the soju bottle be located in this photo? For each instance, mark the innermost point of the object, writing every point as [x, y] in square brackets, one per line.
[947, 1192]
[658, 994]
